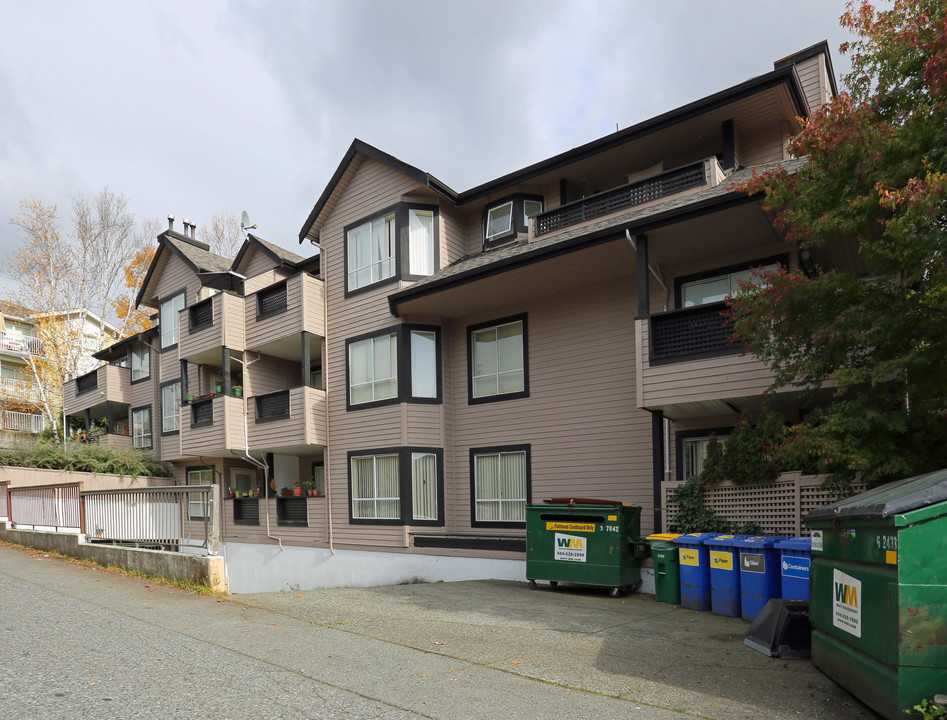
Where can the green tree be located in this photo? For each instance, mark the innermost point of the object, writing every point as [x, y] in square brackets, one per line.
[868, 318]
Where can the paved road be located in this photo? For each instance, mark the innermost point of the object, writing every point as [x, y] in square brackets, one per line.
[81, 643]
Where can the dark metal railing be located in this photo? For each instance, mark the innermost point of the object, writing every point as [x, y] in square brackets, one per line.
[271, 300]
[202, 412]
[272, 406]
[87, 382]
[700, 331]
[201, 315]
[609, 201]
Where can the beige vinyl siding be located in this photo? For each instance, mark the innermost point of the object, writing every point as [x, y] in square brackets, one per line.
[174, 277]
[265, 279]
[113, 384]
[226, 432]
[314, 535]
[453, 236]
[304, 312]
[227, 328]
[586, 436]
[814, 77]
[717, 378]
[257, 263]
[270, 374]
[305, 425]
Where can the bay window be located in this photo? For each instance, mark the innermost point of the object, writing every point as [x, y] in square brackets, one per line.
[373, 369]
[168, 319]
[171, 407]
[141, 427]
[398, 364]
[141, 361]
[396, 486]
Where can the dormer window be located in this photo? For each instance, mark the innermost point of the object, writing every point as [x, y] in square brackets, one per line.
[509, 217]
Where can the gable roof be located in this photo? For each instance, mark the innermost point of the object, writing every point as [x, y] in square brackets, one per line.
[279, 255]
[783, 75]
[194, 253]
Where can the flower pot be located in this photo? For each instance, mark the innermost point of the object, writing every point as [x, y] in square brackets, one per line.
[297, 491]
[238, 392]
[315, 493]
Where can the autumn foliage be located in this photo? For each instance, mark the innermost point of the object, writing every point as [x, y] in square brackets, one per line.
[861, 323]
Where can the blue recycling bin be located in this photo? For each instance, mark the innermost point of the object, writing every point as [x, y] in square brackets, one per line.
[795, 562]
[759, 573]
[695, 570]
[724, 574]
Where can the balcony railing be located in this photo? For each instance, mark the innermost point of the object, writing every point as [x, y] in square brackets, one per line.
[202, 412]
[272, 406]
[702, 331]
[51, 506]
[201, 315]
[87, 382]
[609, 201]
[23, 422]
[21, 343]
[271, 300]
[22, 389]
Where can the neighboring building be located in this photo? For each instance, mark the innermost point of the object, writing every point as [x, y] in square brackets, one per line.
[555, 332]
[21, 416]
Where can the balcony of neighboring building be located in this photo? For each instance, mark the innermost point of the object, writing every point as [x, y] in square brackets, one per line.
[205, 327]
[210, 426]
[19, 389]
[109, 383]
[278, 314]
[287, 421]
[19, 344]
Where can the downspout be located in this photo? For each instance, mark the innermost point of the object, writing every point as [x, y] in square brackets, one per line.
[325, 389]
[667, 293]
[246, 448]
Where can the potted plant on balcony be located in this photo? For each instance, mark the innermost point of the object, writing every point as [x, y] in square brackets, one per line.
[299, 487]
[286, 492]
[237, 391]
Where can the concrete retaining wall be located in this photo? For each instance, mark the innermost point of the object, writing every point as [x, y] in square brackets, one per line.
[19, 477]
[176, 566]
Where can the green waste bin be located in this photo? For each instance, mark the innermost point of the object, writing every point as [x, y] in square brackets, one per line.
[878, 601]
[588, 542]
[667, 569]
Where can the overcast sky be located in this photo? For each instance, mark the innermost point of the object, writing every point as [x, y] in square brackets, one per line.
[190, 108]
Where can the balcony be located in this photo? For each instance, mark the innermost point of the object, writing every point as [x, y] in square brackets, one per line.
[672, 182]
[22, 422]
[21, 344]
[210, 427]
[282, 311]
[288, 421]
[209, 325]
[16, 389]
[109, 383]
[689, 368]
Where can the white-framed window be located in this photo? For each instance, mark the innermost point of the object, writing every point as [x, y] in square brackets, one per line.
[531, 208]
[168, 319]
[373, 369]
[376, 487]
[141, 361]
[498, 359]
[424, 486]
[719, 287]
[420, 242]
[694, 454]
[423, 363]
[141, 428]
[371, 251]
[499, 221]
[500, 485]
[198, 505]
[171, 407]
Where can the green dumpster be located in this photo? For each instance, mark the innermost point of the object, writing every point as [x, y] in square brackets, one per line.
[591, 542]
[667, 568]
[878, 601]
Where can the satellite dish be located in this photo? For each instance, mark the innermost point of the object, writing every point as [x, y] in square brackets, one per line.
[245, 222]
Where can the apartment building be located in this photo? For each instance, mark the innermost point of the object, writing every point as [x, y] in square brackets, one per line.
[445, 358]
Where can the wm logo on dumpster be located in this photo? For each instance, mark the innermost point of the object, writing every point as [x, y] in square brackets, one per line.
[570, 547]
[846, 613]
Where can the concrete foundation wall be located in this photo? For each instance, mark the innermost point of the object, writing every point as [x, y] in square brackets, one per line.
[176, 566]
[265, 568]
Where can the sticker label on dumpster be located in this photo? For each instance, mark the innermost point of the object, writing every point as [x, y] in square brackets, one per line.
[571, 527]
[690, 556]
[847, 597]
[796, 567]
[753, 562]
[570, 547]
[817, 540]
[721, 560]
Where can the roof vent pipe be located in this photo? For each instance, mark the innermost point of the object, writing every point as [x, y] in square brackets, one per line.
[170, 222]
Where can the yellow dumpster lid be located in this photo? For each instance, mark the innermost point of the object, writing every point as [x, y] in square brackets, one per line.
[664, 536]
